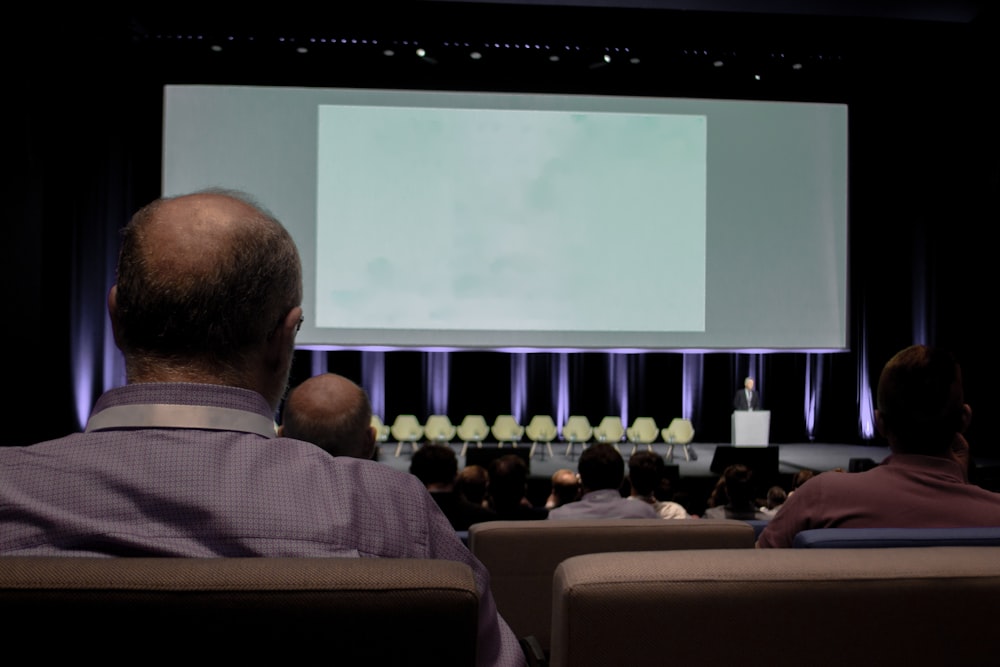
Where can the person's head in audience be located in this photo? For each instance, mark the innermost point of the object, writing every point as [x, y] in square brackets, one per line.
[645, 472]
[187, 308]
[800, 478]
[775, 497]
[565, 488]
[601, 466]
[508, 482]
[473, 483]
[920, 402]
[331, 412]
[436, 466]
[718, 496]
[739, 486]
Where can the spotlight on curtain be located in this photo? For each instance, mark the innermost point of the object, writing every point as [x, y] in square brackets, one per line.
[518, 385]
[373, 380]
[437, 366]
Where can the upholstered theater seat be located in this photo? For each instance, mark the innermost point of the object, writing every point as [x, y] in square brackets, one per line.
[522, 555]
[917, 606]
[234, 610]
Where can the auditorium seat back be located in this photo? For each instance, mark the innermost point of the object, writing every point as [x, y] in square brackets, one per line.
[235, 610]
[917, 606]
[522, 556]
[871, 538]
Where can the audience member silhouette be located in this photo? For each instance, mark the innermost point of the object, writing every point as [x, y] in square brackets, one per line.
[565, 485]
[739, 489]
[436, 466]
[923, 483]
[800, 478]
[602, 472]
[331, 412]
[646, 472]
[184, 459]
[473, 483]
[776, 496]
[508, 489]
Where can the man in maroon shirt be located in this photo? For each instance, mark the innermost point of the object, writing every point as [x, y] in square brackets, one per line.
[922, 412]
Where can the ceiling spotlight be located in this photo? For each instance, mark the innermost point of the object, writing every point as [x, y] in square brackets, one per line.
[388, 52]
[302, 49]
[216, 48]
[718, 63]
[607, 58]
[475, 55]
[756, 77]
[634, 60]
[554, 58]
[797, 66]
[421, 53]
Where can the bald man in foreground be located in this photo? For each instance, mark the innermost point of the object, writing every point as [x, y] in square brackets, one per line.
[184, 460]
[333, 413]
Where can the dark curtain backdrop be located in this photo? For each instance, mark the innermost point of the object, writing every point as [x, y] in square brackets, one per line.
[83, 123]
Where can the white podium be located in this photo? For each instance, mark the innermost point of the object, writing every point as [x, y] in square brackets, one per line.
[751, 428]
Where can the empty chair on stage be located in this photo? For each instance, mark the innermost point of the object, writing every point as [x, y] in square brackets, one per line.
[577, 430]
[541, 430]
[439, 429]
[381, 430]
[643, 431]
[679, 432]
[506, 429]
[610, 430]
[472, 429]
[406, 430]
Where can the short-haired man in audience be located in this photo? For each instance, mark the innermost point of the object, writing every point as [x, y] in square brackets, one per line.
[923, 483]
[646, 471]
[184, 459]
[436, 466]
[602, 472]
[331, 412]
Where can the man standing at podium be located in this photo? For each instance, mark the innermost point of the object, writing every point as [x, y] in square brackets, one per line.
[746, 398]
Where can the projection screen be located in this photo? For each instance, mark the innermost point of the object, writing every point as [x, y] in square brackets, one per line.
[432, 219]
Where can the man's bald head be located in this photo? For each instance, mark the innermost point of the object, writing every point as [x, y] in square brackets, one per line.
[205, 282]
[332, 412]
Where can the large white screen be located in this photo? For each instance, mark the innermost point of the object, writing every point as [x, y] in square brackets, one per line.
[444, 219]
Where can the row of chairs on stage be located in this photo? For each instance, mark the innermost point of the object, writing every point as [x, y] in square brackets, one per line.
[541, 430]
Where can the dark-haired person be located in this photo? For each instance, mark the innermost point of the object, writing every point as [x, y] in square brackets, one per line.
[184, 459]
[646, 473]
[602, 472]
[923, 483]
[436, 466]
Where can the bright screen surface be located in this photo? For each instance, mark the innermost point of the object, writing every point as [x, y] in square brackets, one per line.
[508, 221]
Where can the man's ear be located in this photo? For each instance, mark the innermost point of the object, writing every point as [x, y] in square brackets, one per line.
[880, 424]
[965, 418]
[284, 336]
[372, 438]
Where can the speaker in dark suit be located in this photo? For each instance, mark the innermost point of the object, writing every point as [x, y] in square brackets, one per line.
[747, 398]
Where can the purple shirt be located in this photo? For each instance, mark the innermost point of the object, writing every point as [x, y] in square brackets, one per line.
[604, 504]
[905, 491]
[144, 486]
